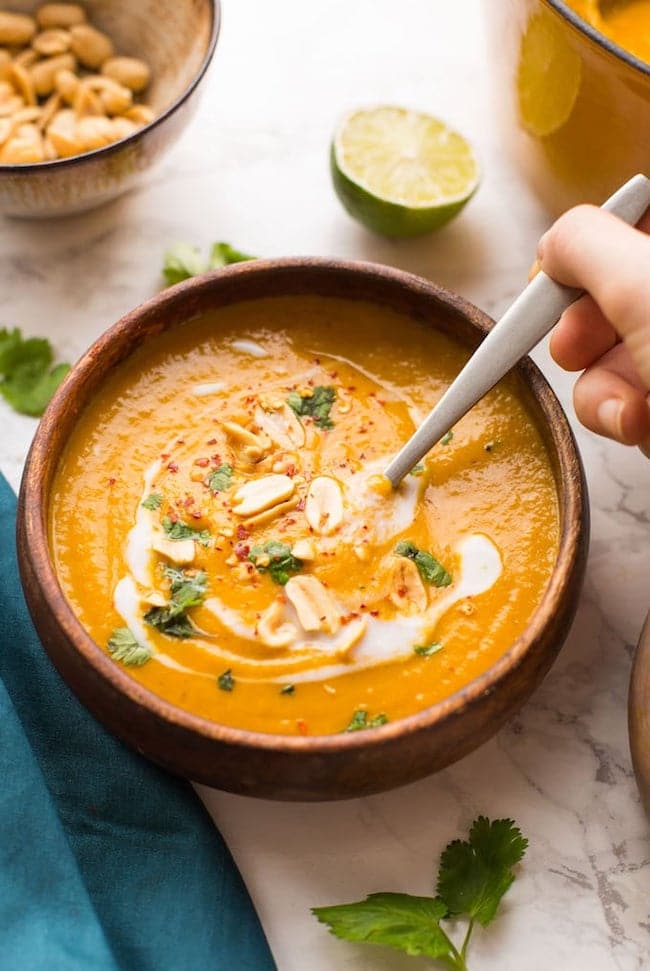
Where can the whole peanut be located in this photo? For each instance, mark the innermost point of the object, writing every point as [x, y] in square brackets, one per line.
[49, 43]
[60, 15]
[90, 46]
[44, 73]
[16, 29]
[130, 72]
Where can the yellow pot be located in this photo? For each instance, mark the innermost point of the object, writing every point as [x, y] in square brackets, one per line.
[575, 107]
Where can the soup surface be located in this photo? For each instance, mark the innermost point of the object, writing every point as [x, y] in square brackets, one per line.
[627, 23]
[221, 525]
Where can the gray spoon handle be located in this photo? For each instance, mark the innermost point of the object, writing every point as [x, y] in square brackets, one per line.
[533, 314]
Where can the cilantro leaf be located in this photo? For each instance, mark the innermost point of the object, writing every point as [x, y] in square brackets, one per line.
[226, 681]
[181, 262]
[318, 405]
[418, 469]
[27, 379]
[223, 254]
[360, 720]
[187, 590]
[397, 920]
[220, 479]
[427, 650]
[124, 647]
[179, 530]
[429, 568]
[475, 873]
[277, 560]
[287, 689]
[446, 438]
[152, 502]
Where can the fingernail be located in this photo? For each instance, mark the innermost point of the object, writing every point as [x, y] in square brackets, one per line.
[609, 416]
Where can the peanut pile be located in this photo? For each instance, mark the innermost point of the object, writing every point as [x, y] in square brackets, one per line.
[63, 89]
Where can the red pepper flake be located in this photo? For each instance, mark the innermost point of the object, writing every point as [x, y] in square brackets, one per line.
[363, 430]
[172, 466]
[291, 471]
[302, 726]
[374, 613]
[202, 463]
[189, 502]
[362, 606]
[290, 522]
[173, 515]
[242, 532]
[112, 481]
[381, 401]
[353, 387]
[334, 375]
[216, 459]
[401, 591]
[300, 506]
[164, 456]
[197, 514]
[212, 441]
[242, 550]
[180, 441]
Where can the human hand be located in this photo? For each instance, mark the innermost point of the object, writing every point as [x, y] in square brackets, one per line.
[606, 333]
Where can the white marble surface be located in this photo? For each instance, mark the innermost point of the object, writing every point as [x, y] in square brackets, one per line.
[253, 170]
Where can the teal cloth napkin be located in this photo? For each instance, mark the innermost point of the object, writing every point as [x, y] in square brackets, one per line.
[106, 862]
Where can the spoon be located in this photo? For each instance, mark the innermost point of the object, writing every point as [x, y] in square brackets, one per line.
[533, 314]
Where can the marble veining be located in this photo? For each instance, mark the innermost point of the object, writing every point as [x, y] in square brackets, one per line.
[253, 170]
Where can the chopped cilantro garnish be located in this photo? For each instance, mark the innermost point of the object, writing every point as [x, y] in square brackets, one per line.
[429, 568]
[183, 261]
[179, 530]
[282, 563]
[226, 681]
[318, 405]
[152, 502]
[360, 720]
[426, 650]
[27, 379]
[472, 878]
[418, 469]
[287, 689]
[446, 438]
[220, 479]
[187, 590]
[124, 647]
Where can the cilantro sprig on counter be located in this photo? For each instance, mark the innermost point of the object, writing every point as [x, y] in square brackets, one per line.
[317, 405]
[428, 566]
[277, 560]
[186, 590]
[473, 876]
[28, 377]
[183, 261]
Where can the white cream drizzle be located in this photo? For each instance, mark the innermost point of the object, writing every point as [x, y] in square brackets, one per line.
[213, 387]
[246, 346]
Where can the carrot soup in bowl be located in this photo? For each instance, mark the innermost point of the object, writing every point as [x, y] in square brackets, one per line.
[222, 562]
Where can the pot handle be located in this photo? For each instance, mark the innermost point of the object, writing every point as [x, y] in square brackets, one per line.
[638, 711]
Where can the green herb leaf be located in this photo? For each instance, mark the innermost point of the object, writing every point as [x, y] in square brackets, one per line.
[426, 650]
[226, 681]
[187, 590]
[475, 874]
[152, 502]
[220, 479]
[446, 438]
[397, 920]
[287, 689]
[318, 405]
[181, 262]
[27, 379]
[124, 647]
[429, 568]
[282, 563]
[361, 720]
[223, 254]
[418, 469]
[179, 530]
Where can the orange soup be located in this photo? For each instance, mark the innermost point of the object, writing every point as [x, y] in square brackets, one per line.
[221, 526]
[627, 23]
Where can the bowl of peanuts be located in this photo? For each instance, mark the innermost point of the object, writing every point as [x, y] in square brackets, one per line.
[92, 94]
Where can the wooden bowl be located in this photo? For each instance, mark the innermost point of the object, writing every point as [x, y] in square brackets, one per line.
[275, 766]
[178, 39]
[639, 715]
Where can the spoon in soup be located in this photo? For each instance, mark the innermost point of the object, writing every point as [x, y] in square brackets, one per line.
[533, 314]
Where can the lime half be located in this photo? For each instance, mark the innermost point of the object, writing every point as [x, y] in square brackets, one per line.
[400, 172]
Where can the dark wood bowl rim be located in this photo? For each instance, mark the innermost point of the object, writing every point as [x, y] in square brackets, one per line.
[59, 163]
[36, 502]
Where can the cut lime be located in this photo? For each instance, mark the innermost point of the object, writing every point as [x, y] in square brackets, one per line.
[400, 172]
[548, 75]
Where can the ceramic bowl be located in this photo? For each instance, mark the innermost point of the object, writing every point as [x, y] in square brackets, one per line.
[575, 107]
[178, 39]
[274, 766]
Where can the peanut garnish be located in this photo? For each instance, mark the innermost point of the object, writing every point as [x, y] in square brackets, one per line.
[352, 634]
[281, 425]
[178, 551]
[304, 550]
[273, 629]
[407, 591]
[316, 608]
[324, 505]
[260, 494]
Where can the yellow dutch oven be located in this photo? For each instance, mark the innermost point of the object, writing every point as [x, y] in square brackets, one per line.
[575, 105]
